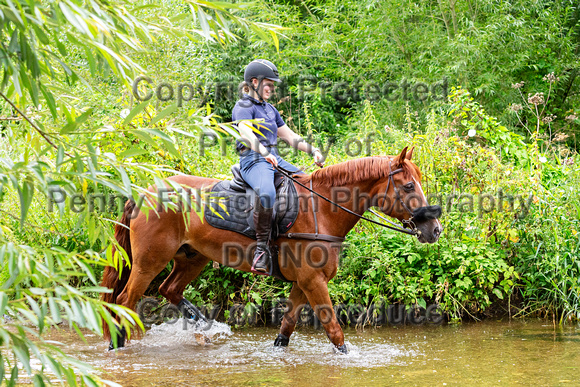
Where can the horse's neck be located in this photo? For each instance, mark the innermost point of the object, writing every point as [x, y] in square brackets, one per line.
[335, 221]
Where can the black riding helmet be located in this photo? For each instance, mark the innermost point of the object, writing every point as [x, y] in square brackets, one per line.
[260, 69]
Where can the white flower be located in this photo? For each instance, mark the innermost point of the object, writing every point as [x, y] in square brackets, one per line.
[543, 159]
[124, 113]
[471, 132]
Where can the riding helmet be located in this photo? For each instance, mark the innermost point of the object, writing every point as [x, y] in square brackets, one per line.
[260, 69]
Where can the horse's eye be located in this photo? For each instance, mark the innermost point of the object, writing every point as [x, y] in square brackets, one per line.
[409, 187]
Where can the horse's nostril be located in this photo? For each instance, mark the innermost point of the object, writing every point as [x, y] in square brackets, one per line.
[437, 231]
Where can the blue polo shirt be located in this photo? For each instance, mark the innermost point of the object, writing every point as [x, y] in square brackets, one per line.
[249, 108]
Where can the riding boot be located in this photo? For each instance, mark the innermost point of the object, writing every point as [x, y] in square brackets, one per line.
[263, 225]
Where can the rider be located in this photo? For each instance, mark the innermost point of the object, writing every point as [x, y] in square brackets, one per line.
[258, 152]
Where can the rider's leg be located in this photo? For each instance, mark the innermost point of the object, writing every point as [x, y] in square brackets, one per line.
[262, 224]
[259, 174]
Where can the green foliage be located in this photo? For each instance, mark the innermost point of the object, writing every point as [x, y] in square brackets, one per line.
[459, 275]
[527, 252]
[485, 48]
[63, 135]
[70, 122]
[548, 253]
[469, 115]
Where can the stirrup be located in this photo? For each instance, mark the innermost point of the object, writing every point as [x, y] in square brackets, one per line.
[266, 252]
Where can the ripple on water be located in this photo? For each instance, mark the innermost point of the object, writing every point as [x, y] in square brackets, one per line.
[227, 349]
[466, 354]
[315, 349]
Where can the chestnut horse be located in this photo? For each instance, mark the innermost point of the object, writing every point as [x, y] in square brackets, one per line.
[391, 183]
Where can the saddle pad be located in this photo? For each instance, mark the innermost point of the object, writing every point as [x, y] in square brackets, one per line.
[232, 210]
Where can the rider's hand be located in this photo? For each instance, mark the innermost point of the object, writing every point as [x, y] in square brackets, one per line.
[318, 158]
[271, 159]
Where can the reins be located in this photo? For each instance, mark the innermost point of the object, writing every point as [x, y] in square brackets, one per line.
[392, 226]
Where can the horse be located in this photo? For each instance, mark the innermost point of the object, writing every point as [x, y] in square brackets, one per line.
[391, 183]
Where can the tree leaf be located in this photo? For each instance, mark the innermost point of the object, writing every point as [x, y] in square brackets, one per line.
[59, 156]
[133, 152]
[3, 304]
[167, 111]
[54, 310]
[21, 352]
[126, 180]
[77, 122]
[275, 39]
[25, 193]
[50, 101]
[2, 371]
[204, 24]
[136, 110]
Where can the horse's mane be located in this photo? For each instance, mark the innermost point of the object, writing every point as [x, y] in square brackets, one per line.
[352, 171]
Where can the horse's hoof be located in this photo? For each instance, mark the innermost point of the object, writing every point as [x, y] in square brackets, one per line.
[120, 340]
[342, 349]
[189, 311]
[281, 340]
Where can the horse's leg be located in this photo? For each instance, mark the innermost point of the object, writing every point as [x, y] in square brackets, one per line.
[296, 302]
[140, 278]
[317, 293]
[186, 268]
[144, 270]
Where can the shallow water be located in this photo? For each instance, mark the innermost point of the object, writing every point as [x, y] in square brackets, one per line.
[485, 353]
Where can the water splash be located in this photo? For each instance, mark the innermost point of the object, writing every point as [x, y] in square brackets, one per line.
[184, 332]
[312, 349]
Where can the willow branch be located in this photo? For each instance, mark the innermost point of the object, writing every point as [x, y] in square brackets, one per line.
[40, 131]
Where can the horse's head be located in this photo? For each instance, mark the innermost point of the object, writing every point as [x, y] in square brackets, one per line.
[405, 200]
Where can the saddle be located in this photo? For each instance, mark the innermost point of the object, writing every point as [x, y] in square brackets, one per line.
[232, 205]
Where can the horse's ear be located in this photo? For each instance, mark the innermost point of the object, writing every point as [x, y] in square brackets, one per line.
[400, 159]
[410, 153]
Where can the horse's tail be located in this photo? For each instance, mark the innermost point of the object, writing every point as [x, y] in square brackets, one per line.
[111, 278]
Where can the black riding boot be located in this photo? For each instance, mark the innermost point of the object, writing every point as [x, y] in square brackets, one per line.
[263, 224]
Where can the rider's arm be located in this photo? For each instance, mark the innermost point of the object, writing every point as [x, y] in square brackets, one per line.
[297, 142]
[246, 132]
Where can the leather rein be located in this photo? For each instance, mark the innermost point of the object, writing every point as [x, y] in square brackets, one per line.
[332, 238]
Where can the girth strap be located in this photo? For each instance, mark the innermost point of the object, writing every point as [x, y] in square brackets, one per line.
[312, 237]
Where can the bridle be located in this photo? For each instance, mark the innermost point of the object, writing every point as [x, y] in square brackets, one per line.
[408, 222]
